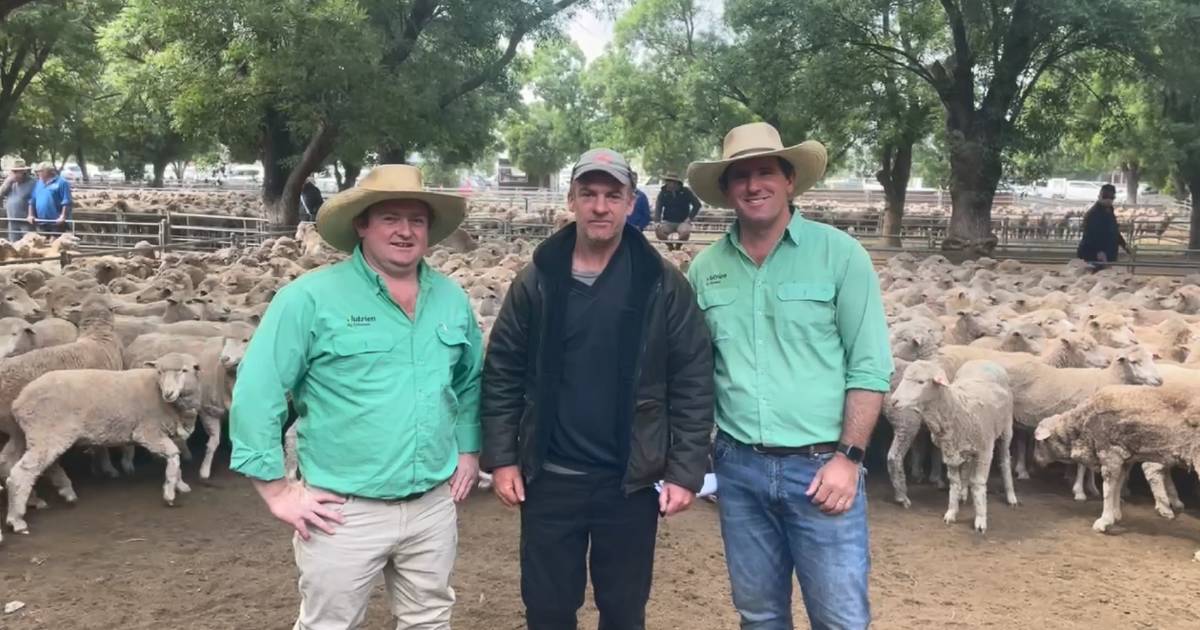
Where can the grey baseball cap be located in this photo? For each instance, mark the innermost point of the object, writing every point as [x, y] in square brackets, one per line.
[605, 161]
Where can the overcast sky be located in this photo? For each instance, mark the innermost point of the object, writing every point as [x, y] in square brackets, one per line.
[591, 32]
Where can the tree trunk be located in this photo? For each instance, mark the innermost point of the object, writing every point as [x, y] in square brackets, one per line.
[179, 167]
[975, 171]
[393, 155]
[277, 145]
[350, 175]
[1133, 177]
[1194, 228]
[160, 168]
[894, 174]
[79, 159]
[285, 210]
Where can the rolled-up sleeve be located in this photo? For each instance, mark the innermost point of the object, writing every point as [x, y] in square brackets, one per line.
[467, 376]
[863, 325]
[275, 361]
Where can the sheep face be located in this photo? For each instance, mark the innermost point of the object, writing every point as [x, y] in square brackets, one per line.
[233, 350]
[16, 337]
[178, 377]
[915, 340]
[1138, 368]
[1112, 330]
[1084, 350]
[15, 302]
[1025, 338]
[1052, 444]
[919, 384]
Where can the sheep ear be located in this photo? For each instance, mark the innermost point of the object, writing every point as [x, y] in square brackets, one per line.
[255, 319]
[1156, 356]
[1066, 342]
[1041, 433]
[941, 379]
[172, 300]
[149, 364]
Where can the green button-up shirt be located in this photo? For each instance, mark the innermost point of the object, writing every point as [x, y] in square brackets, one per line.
[385, 403]
[790, 337]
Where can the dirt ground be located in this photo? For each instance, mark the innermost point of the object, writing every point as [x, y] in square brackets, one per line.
[119, 559]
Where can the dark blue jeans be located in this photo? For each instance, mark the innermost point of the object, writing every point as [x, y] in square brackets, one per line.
[771, 529]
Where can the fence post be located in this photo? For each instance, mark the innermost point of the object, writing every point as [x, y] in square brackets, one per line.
[64, 259]
[164, 232]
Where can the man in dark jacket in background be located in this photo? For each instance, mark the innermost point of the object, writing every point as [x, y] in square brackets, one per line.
[674, 210]
[598, 383]
[1101, 233]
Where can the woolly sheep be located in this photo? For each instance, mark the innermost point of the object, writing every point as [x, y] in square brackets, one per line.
[97, 347]
[1120, 424]
[1040, 390]
[153, 406]
[218, 358]
[966, 419]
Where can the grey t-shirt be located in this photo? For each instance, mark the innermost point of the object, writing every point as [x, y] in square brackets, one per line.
[16, 197]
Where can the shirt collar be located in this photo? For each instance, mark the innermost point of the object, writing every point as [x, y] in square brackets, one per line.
[790, 233]
[372, 277]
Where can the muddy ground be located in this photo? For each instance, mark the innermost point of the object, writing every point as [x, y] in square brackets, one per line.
[119, 559]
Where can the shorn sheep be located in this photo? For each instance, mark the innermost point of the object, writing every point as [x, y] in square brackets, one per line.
[967, 419]
[151, 406]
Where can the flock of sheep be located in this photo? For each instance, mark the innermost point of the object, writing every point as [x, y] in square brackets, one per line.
[1093, 369]
[1098, 370]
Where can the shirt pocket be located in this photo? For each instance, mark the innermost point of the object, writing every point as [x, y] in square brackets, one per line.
[805, 310]
[359, 358]
[718, 307]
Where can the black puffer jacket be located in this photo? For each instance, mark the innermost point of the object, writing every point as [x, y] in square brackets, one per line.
[667, 353]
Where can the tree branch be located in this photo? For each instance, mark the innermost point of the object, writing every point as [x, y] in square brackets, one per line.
[496, 67]
[8, 6]
[421, 14]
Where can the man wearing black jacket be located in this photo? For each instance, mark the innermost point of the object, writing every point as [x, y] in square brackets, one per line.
[674, 210]
[598, 383]
[1101, 232]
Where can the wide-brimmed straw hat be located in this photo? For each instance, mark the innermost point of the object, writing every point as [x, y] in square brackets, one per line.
[45, 166]
[671, 176]
[335, 221]
[18, 165]
[751, 141]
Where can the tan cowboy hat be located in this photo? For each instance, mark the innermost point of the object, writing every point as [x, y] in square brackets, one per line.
[671, 176]
[335, 221]
[750, 141]
[45, 166]
[18, 165]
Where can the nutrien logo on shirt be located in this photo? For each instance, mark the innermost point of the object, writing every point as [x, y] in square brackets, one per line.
[715, 278]
[355, 321]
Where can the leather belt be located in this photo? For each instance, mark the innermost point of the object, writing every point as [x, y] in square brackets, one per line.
[404, 499]
[784, 451]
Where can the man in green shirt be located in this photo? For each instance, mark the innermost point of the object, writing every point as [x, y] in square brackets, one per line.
[802, 362]
[381, 356]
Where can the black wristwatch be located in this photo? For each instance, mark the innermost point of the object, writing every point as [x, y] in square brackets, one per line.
[853, 453]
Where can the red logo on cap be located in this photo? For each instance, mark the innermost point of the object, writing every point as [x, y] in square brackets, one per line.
[604, 158]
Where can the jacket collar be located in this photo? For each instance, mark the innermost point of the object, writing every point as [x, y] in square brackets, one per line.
[553, 256]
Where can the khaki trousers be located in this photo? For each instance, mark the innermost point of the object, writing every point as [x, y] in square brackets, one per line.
[412, 544]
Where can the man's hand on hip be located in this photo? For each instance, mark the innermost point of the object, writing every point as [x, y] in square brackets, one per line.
[674, 499]
[465, 476]
[300, 506]
[508, 485]
[835, 485]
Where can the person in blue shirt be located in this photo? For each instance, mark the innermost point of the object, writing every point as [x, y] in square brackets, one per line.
[640, 217]
[50, 205]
